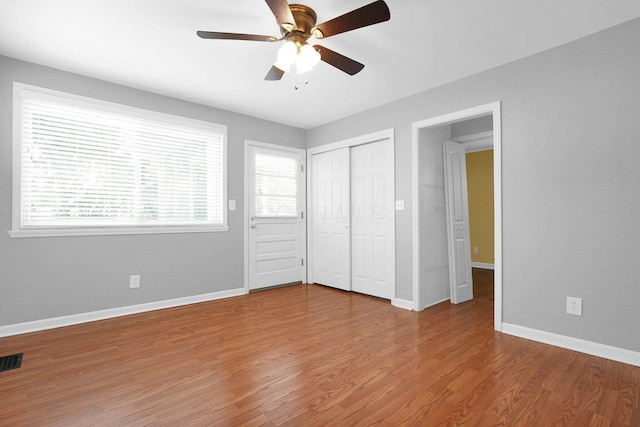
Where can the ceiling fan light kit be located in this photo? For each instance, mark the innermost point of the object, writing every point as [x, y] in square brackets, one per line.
[307, 58]
[303, 55]
[298, 24]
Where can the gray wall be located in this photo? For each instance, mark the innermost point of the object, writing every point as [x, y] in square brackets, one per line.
[571, 181]
[42, 278]
[472, 126]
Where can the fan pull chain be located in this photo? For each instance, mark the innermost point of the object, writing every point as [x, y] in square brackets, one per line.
[296, 87]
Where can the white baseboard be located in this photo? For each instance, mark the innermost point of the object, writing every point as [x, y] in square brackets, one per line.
[402, 303]
[431, 304]
[58, 322]
[483, 265]
[576, 344]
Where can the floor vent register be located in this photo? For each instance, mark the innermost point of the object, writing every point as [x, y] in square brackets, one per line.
[13, 361]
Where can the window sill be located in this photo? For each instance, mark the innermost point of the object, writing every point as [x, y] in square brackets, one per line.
[70, 232]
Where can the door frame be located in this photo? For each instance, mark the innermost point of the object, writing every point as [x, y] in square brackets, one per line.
[303, 188]
[347, 143]
[470, 113]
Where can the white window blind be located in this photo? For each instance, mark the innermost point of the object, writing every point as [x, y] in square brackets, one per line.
[87, 165]
[276, 180]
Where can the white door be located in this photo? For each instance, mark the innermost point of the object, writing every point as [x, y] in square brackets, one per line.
[455, 180]
[275, 207]
[373, 219]
[331, 219]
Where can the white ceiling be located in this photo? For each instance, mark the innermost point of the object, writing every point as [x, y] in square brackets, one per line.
[152, 45]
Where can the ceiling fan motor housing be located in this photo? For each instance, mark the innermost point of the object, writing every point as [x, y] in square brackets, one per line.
[305, 18]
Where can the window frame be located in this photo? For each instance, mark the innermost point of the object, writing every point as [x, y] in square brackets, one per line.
[17, 229]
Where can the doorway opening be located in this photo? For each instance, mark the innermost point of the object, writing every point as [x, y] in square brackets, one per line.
[477, 128]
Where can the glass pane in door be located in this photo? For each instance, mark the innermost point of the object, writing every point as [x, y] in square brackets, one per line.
[276, 181]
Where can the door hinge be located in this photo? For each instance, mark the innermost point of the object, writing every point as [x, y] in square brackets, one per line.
[302, 261]
[301, 168]
[301, 215]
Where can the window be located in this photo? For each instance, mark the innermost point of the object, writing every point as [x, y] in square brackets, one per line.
[83, 166]
[276, 180]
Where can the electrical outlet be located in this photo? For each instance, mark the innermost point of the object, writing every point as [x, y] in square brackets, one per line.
[475, 249]
[134, 281]
[574, 306]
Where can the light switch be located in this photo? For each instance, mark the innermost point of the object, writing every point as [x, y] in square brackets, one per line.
[232, 205]
[399, 205]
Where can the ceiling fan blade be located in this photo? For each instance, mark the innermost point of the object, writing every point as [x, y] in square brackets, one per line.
[370, 14]
[339, 61]
[282, 12]
[274, 73]
[235, 36]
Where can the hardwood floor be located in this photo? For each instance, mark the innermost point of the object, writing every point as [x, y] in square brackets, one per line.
[482, 284]
[308, 355]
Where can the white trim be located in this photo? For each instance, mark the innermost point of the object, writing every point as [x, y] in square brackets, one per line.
[583, 346]
[483, 265]
[497, 214]
[70, 232]
[479, 111]
[76, 319]
[352, 142]
[480, 141]
[437, 302]
[478, 136]
[347, 143]
[402, 303]
[415, 214]
[303, 160]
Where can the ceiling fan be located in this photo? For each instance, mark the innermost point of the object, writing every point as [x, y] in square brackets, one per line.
[298, 24]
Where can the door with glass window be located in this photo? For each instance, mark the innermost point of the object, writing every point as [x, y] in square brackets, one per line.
[275, 212]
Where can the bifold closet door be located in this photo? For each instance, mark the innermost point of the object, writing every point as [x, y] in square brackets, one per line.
[331, 219]
[373, 219]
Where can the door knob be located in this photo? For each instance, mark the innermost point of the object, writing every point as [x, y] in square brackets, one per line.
[253, 226]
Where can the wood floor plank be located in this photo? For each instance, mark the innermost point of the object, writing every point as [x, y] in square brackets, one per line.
[308, 355]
